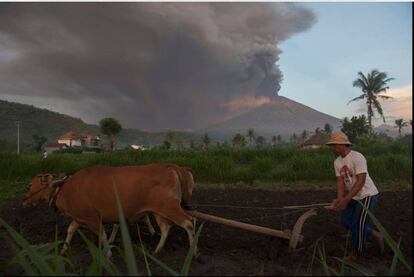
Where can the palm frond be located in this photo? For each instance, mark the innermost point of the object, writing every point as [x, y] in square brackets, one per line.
[362, 77]
[357, 98]
[359, 84]
[385, 97]
[378, 107]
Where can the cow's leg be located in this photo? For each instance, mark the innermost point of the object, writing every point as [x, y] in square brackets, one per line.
[176, 214]
[97, 227]
[73, 226]
[165, 226]
[148, 222]
[113, 234]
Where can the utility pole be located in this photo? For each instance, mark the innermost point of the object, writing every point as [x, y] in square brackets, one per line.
[18, 137]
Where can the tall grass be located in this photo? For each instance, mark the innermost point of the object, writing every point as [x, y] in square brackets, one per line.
[386, 163]
[221, 164]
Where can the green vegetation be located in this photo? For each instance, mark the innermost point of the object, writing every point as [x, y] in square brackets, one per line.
[278, 167]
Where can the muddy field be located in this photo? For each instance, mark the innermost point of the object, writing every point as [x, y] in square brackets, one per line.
[228, 251]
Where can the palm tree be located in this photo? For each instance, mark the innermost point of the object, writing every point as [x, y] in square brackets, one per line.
[279, 139]
[250, 135]
[304, 135]
[274, 141]
[260, 141]
[327, 128]
[371, 85]
[400, 123]
[206, 141]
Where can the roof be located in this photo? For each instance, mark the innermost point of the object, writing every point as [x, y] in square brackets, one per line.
[56, 144]
[72, 135]
[317, 139]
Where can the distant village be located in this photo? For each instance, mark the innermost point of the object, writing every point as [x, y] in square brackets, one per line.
[86, 141]
[89, 143]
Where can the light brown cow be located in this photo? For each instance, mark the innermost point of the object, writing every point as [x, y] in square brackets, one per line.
[185, 176]
[88, 197]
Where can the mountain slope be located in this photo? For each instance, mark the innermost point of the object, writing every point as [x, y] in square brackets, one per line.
[282, 117]
[52, 125]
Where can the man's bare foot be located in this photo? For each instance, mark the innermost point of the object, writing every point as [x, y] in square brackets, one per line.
[352, 256]
[380, 240]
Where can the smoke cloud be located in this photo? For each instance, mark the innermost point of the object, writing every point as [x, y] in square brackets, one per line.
[154, 66]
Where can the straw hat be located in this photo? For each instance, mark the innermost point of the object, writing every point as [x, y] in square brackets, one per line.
[338, 138]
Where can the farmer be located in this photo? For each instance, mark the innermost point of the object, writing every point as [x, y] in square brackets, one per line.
[356, 192]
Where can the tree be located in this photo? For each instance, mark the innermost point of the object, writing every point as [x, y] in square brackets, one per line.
[400, 123]
[279, 139]
[328, 128]
[372, 85]
[274, 141]
[166, 144]
[206, 140]
[39, 142]
[260, 141]
[251, 136]
[304, 136]
[294, 138]
[238, 140]
[110, 127]
[169, 137]
[355, 127]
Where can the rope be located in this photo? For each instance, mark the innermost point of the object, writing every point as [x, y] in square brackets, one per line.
[244, 207]
[254, 217]
[268, 216]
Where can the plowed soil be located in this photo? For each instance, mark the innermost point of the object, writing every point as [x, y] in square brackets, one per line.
[228, 251]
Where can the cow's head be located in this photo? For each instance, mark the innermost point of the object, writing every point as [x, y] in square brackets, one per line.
[40, 189]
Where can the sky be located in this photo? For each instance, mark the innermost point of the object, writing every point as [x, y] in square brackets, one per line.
[320, 65]
[185, 66]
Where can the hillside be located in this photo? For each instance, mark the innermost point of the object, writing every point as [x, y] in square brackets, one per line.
[282, 117]
[51, 124]
[392, 131]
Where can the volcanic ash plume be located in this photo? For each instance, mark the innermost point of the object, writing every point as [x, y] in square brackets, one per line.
[151, 65]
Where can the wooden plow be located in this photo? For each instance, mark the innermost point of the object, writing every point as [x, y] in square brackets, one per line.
[294, 236]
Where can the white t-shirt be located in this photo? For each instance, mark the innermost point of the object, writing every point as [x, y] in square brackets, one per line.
[355, 163]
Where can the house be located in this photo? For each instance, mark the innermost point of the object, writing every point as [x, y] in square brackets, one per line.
[53, 146]
[137, 147]
[317, 140]
[79, 139]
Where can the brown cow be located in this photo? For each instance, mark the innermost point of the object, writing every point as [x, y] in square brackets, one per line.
[88, 197]
[185, 176]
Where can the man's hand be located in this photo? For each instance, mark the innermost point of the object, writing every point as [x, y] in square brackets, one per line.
[340, 204]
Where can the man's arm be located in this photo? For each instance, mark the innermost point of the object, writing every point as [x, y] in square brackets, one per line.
[340, 187]
[357, 186]
[343, 201]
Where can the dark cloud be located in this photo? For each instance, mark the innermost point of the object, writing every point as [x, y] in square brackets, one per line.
[152, 65]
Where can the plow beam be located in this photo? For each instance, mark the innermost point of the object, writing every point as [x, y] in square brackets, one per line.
[249, 227]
